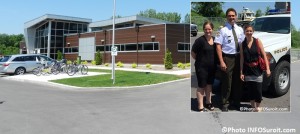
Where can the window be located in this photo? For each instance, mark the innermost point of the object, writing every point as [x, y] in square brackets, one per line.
[148, 46]
[19, 59]
[29, 58]
[183, 47]
[107, 48]
[130, 47]
[74, 49]
[100, 48]
[156, 46]
[60, 25]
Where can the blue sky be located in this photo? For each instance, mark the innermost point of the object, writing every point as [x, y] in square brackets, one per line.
[14, 13]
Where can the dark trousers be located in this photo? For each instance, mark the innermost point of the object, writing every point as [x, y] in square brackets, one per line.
[231, 82]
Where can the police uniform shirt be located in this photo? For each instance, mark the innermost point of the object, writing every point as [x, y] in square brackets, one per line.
[226, 39]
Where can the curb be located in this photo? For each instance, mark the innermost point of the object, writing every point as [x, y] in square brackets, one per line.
[62, 86]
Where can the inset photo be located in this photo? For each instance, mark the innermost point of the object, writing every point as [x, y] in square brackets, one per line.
[240, 56]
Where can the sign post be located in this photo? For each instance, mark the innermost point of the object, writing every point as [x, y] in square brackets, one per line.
[113, 45]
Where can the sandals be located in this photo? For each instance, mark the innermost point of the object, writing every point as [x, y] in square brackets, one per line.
[202, 110]
[210, 107]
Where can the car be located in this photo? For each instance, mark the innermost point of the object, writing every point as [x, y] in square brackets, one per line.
[194, 29]
[22, 63]
[275, 33]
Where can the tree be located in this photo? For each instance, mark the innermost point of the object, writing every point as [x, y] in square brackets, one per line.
[295, 37]
[187, 18]
[59, 55]
[117, 16]
[151, 13]
[98, 58]
[208, 9]
[258, 13]
[9, 44]
[267, 10]
[168, 60]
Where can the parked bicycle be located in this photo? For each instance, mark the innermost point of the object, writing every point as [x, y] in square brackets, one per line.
[74, 68]
[46, 68]
[60, 66]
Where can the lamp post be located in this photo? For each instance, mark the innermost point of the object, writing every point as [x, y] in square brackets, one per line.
[137, 29]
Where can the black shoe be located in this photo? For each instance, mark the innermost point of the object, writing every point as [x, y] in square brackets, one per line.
[210, 107]
[224, 109]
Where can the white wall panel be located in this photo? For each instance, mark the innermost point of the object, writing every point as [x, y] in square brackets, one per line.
[87, 48]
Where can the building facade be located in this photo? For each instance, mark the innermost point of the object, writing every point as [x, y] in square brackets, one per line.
[139, 40]
[46, 34]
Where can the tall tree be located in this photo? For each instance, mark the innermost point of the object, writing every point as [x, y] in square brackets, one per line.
[170, 16]
[267, 10]
[208, 9]
[295, 37]
[9, 44]
[187, 18]
[258, 13]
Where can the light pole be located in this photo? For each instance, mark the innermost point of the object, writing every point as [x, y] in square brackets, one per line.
[113, 44]
[137, 29]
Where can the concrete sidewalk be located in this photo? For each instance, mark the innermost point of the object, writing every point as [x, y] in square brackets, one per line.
[142, 68]
[29, 77]
[47, 77]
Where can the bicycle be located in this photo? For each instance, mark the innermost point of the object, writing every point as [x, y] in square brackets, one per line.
[74, 68]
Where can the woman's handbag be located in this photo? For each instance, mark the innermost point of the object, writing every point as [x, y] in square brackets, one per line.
[261, 61]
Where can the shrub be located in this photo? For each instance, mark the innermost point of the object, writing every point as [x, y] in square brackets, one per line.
[59, 55]
[168, 60]
[78, 61]
[93, 62]
[69, 62]
[134, 65]
[120, 64]
[84, 62]
[98, 58]
[148, 66]
[106, 64]
[179, 65]
[188, 64]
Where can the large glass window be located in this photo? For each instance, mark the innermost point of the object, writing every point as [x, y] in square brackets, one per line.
[53, 25]
[58, 29]
[60, 25]
[73, 26]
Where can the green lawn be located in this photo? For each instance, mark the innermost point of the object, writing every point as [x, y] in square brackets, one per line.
[123, 79]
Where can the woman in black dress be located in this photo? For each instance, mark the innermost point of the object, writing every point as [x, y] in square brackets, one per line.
[204, 53]
[251, 73]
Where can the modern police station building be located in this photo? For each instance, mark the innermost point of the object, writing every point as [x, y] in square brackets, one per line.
[139, 39]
